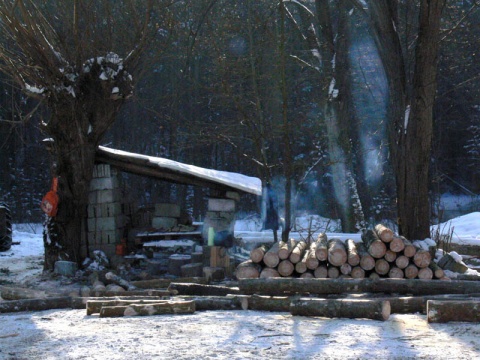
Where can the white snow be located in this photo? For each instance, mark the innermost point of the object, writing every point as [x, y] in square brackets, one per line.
[236, 334]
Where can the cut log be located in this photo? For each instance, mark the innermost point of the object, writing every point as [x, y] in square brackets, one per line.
[402, 261]
[373, 275]
[321, 251]
[422, 258]
[447, 262]
[192, 270]
[301, 267]
[286, 248]
[312, 262]
[257, 254]
[346, 269]
[63, 302]
[271, 258]
[163, 283]
[321, 271]
[411, 271]
[410, 250]
[341, 308]
[397, 244]
[425, 273]
[176, 261]
[269, 303]
[17, 293]
[298, 252]
[269, 273]
[104, 293]
[170, 307]
[367, 262]
[357, 272]
[352, 254]
[199, 289]
[285, 268]
[438, 272]
[307, 274]
[382, 267]
[373, 244]
[248, 270]
[396, 273]
[384, 233]
[203, 303]
[119, 281]
[390, 256]
[95, 306]
[439, 311]
[337, 254]
[333, 272]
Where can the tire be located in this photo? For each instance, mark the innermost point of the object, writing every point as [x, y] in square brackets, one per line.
[5, 228]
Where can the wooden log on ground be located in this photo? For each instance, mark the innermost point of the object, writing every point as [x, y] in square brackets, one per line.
[192, 270]
[447, 262]
[298, 252]
[286, 248]
[163, 283]
[269, 273]
[396, 273]
[301, 266]
[341, 308]
[17, 293]
[390, 256]
[285, 268]
[248, 270]
[357, 272]
[204, 303]
[422, 258]
[373, 244]
[382, 267]
[94, 306]
[402, 261]
[352, 254]
[438, 272]
[425, 273]
[269, 303]
[119, 281]
[333, 272]
[397, 244]
[321, 271]
[257, 254]
[49, 303]
[337, 253]
[411, 271]
[318, 286]
[271, 258]
[170, 307]
[439, 311]
[384, 233]
[409, 250]
[146, 292]
[321, 251]
[199, 289]
[312, 262]
[367, 262]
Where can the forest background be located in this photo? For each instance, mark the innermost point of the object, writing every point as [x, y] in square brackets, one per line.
[242, 86]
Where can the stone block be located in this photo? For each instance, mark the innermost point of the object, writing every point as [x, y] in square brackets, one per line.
[227, 205]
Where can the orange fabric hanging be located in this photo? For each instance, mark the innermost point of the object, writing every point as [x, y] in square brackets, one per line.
[49, 203]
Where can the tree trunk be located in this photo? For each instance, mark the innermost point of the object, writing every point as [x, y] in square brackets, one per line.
[269, 303]
[440, 311]
[341, 308]
[170, 307]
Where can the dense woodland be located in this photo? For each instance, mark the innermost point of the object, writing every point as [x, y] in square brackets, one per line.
[242, 86]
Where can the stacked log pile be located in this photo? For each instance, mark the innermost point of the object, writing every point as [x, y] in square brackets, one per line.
[380, 254]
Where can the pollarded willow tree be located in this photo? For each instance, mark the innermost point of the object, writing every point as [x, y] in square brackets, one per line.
[77, 58]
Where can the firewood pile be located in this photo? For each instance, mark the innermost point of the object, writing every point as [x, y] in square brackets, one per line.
[380, 254]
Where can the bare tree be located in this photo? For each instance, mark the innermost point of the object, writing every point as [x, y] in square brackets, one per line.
[76, 58]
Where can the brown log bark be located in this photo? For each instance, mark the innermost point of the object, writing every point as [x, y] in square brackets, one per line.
[17, 293]
[367, 262]
[321, 251]
[357, 272]
[248, 270]
[271, 258]
[411, 271]
[337, 254]
[230, 302]
[422, 258]
[257, 254]
[63, 302]
[439, 311]
[199, 289]
[390, 256]
[425, 273]
[163, 283]
[269, 273]
[373, 244]
[410, 250]
[396, 273]
[170, 307]
[285, 268]
[286, 248]
[94, 306]
[341, 308]
[333, 272]
[402, 261]
[352, 254]
[438, 272]
[269, 303]
[382, 267]
[298, 252]
[384, 233]
[397, 244]
[321, 272]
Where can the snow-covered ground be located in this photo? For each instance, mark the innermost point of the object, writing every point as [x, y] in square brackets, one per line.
[71, 334]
